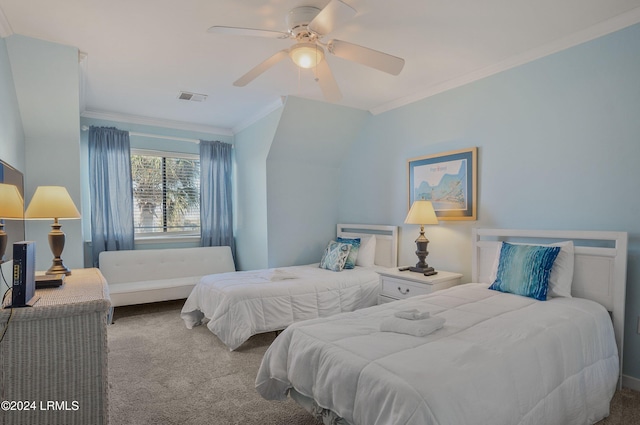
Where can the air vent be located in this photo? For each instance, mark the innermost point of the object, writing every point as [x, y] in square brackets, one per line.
[194, 97]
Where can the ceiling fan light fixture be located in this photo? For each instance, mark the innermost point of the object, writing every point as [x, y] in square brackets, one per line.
[306, 55]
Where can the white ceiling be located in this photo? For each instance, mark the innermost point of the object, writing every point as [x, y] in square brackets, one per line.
[141, 53]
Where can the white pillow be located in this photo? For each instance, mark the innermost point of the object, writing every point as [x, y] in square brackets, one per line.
[367, 252]
[561, 273]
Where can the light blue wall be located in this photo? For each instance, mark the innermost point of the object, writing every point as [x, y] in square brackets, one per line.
[559, 146]
[46, 78]
[251, 149]
[303, 178]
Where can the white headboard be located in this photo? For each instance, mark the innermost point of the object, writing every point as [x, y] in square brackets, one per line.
[600, 265]
[386, 240]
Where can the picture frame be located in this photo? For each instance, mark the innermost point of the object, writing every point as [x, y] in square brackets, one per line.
[448, 180]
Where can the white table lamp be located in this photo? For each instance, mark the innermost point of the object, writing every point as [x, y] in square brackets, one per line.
[421, 213]
[53, 202]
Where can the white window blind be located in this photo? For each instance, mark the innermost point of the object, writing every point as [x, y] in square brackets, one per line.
[166, 192]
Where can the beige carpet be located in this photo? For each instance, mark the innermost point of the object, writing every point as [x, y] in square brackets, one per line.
[162, 373]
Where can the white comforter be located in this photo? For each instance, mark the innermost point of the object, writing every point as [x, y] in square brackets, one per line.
[241, 304]
[499, 359]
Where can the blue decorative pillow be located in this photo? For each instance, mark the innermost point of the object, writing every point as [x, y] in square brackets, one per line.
[525, 269]
[335, 255]
[353, 254]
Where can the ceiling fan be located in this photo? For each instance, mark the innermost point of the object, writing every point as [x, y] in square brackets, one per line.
[307, 25]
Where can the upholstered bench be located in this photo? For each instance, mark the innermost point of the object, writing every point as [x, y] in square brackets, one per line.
[152, 275]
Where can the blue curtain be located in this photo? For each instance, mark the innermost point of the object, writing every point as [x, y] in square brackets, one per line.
[216, 209]
[111, 190]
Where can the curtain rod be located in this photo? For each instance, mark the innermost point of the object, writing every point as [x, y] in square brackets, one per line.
[157, 136]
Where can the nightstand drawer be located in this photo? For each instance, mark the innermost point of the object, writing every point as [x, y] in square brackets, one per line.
[400, 289]
[397, 285]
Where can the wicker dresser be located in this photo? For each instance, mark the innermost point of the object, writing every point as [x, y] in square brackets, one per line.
[53, 358]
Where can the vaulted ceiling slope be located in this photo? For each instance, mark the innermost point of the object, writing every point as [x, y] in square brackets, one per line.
[137, 56]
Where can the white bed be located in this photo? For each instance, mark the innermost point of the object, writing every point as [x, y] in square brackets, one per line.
[499, 358]
[238, 305]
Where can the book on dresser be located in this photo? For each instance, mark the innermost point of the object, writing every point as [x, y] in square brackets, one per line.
[49, 280]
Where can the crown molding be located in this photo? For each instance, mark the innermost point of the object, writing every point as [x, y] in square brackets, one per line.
[155, 122]
[278, 103]
[601, 29]
[5, 27]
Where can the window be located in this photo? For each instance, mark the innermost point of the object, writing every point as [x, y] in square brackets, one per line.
[166, 193]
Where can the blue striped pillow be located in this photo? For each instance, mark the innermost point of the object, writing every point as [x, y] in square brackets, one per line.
[525, 270]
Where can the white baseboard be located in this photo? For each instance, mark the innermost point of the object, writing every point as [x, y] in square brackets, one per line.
[630, 382]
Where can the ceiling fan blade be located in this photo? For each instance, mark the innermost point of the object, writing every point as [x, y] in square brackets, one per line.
[328, 85]
[331, 17]
[260, 68]
[247, 31]
[365, 56]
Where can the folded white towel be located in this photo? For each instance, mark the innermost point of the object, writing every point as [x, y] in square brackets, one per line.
[412, 327]
[279, 274]
[272, 275]
[413, 314]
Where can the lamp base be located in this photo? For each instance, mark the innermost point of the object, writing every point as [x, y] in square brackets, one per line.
[421, 244]
[3, 242]
[422, 269]
[56, 243]
[58, 268]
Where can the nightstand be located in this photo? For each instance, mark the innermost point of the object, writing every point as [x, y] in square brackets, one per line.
[397, 285]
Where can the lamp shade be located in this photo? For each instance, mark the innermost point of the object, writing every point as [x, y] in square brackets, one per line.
[11, 203]
[306, 55]
[422, 213]
[51, 202]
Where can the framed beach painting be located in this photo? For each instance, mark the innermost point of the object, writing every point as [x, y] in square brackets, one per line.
[448, 180]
